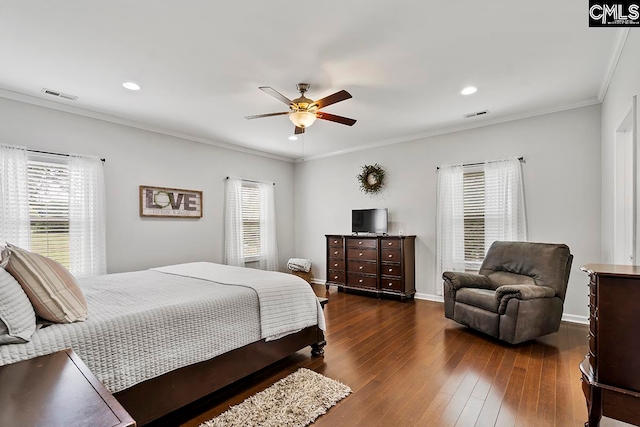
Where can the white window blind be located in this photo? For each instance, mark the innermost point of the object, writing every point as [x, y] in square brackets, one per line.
[48, 185]
[251, 220]
[474, 219]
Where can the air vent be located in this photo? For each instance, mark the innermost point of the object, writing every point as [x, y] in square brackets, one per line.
[59, 94]
[479, 113]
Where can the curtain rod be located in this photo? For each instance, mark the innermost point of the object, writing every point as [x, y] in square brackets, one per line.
[252, 180]
[55, 154]
[479, 163]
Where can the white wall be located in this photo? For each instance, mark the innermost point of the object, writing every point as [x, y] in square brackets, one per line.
[562, 187]
[624, 84]
[136, 157]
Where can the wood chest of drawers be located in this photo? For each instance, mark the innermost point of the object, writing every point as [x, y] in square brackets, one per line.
[375, 264]
[611, 369]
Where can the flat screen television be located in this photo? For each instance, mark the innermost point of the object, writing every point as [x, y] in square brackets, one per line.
[372, 221]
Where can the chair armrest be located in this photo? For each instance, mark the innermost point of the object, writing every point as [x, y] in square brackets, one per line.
[466, 280]
[521, 292]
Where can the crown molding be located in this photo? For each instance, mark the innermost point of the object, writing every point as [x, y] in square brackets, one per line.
[85, 112]
[476, 124]
[618, 47]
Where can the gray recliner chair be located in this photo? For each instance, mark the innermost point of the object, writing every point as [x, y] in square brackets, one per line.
[518, 295]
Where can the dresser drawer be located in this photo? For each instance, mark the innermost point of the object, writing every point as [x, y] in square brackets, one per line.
[390, 255]
[336, 276]
[593, 325]
[335, 252]
[391, 284]
[362, 281]
[365, 267]
[592, 343]
[335, 241]
[390, 243]
[391, 270]
[336, 264]
[362, 243]
[357, 253]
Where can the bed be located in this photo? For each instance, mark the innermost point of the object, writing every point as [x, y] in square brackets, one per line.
[162, 338]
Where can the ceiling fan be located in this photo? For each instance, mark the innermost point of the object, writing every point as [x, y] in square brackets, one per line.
[304, 111]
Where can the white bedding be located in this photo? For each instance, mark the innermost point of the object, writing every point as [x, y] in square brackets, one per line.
[144, 324]
[287, 303]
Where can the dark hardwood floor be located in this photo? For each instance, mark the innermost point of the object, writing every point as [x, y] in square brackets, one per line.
[409, 366]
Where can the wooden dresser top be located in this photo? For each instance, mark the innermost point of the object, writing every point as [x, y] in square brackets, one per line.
[611, 269]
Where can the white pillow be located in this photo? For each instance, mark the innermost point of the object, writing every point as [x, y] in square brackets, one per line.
[17, 317]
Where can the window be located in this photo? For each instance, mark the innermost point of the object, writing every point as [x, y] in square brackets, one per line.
[474, 222]
[48, 185]
[251, 221]
[477, 205]
[250, 224]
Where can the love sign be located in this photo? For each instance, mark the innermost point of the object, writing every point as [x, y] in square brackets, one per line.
[170, 202]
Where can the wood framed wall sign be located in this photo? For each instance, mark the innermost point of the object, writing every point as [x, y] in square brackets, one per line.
[162, 202]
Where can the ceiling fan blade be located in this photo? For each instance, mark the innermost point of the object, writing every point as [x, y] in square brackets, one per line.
[334, 118]
[332, 99]
[259, 116]
[298, 131]
[271, 91]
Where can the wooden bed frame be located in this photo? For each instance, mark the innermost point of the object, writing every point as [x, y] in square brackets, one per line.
[151, 399]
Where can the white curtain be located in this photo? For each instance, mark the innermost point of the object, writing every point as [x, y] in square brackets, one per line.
[268, 245]
[233, 230]
[505, 217]
[15, 227]
[449, 222]
[87, 216]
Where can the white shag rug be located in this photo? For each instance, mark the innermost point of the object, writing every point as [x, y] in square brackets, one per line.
[294, 401]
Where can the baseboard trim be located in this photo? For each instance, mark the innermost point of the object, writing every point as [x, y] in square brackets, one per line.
[430, 297]
[569, 318]
[572, 318]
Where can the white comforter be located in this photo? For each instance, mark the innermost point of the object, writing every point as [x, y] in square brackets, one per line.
[147, 323]
[287, 303]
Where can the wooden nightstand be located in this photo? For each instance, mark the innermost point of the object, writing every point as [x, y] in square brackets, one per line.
[57, 390]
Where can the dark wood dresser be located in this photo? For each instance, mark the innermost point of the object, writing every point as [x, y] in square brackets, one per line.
[375, 264]
[611, 370]
[57, 390]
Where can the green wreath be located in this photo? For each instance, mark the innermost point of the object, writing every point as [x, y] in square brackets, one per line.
[371, 178]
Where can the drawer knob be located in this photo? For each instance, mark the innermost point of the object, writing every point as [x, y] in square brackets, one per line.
[335, 253]
[360, 267]
[390, 243]
[390, 270]
[336, 278]
[390, 284]
[359, 243]
[360, 254]
[390, 256]
[335, 241]
[360, 280]
[335, 265]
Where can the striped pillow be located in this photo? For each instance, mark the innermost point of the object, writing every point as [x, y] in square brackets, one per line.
[52, 290]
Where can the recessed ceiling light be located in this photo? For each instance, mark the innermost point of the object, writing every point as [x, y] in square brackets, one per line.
[469, 90]
[131, 86]
[293, 138]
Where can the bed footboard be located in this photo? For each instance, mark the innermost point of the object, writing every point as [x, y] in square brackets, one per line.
[159, 396]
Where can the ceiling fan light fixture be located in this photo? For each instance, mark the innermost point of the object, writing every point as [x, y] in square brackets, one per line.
[302, 119]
